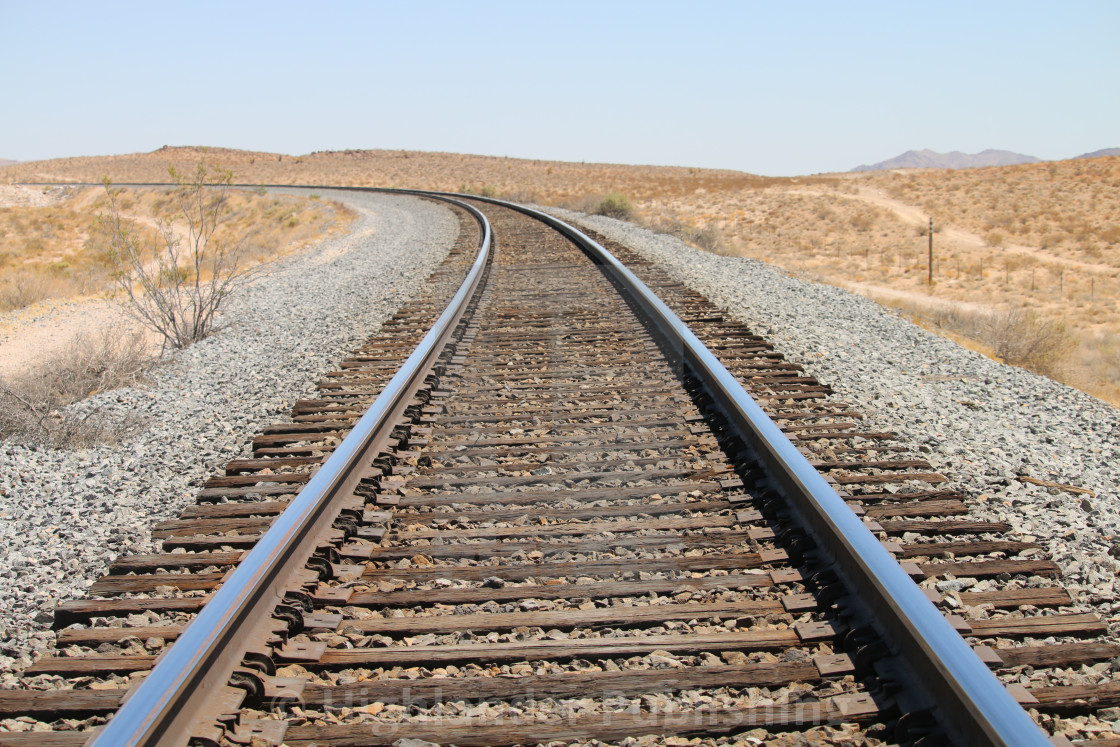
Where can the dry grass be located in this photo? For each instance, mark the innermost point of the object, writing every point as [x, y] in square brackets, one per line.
[58, 251]
[549, 182]
[868, 232]
[615, 205]
[46, 252]
[1065, 208]
[1043, 237]
[33, 407]
[1018, 336]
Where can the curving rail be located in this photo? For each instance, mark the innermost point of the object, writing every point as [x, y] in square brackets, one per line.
[975, 707]
[193, 673]
[972, 705]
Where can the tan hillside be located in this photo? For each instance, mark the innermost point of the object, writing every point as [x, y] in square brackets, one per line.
[553, 181]
[1040, 237]
[51, 246]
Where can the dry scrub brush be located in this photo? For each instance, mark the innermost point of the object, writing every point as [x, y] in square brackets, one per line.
[49, 252]
[1020, 337]
[61, 250]
[1023, 338]
[615, 205]
[707, 237]
[1068, 208]
[177, 285]
[33, 406]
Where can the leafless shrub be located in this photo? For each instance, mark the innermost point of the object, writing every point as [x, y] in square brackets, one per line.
[862, 221]
[1017, 336]
[178, 290]
[707, 237]
[33, 407]
[710, 238]
[21, 289]
[1023, 338]
[966, 323]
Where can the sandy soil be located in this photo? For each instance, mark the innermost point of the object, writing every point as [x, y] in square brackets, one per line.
[947, 233]
[29, 335]
[966, 239]
[14, 195]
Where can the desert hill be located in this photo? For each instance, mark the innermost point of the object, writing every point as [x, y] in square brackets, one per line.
[553, 181]
[1041, 238]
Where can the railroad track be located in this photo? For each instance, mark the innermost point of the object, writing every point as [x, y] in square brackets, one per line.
[564, 524]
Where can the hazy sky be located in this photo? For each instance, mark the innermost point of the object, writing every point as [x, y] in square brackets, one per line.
[776, 88]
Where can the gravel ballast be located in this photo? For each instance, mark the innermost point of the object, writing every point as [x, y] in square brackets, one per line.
[981, 423]
[64, 515]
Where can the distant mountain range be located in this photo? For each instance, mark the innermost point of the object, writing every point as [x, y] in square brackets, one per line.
[5, 162]
[1100, 153]
[928, 159]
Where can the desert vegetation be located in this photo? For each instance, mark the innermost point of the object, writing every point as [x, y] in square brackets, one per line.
[60, 250]
[35, 405]
[177, 284]
[615, 205]
[546, 182]
[1062, 207]
[175, 253]
[1027, 254]
[1019, 251]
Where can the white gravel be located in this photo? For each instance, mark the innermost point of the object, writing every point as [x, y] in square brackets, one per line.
[65, 515]
[979, 422]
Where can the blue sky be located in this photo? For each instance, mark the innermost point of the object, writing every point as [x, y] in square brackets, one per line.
[767, 87]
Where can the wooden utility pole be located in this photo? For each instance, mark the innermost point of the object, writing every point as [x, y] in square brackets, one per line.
[929, 280]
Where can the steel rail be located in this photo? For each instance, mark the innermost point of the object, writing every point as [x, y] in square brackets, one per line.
[192, 674]
[973, 706]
